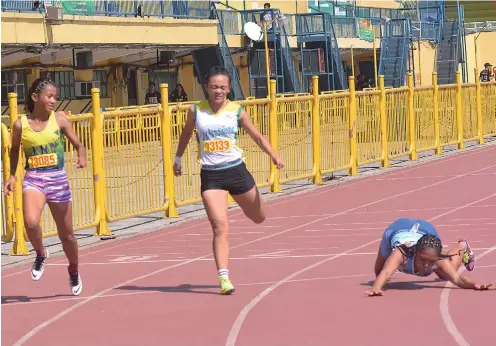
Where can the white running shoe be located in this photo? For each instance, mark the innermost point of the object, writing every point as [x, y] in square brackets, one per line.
[39, 266]
[76, 284]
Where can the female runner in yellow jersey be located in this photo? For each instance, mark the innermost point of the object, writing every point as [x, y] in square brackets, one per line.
[41, 133]
[217, 122]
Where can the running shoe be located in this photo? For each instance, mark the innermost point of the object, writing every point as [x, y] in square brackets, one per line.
[226, 287]
[468, 256]
[76, 283]
[39, 266]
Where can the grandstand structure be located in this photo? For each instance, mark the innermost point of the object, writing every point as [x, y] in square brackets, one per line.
[121, 46]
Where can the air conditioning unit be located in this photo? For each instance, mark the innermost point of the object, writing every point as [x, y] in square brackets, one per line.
[84, 60]
[167, 58]
[54, 15]
[83, 89]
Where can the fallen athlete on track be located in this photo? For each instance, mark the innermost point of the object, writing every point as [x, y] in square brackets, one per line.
[414, 247]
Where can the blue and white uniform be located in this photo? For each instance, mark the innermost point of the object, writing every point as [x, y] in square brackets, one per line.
[406, 232]
[222, 166]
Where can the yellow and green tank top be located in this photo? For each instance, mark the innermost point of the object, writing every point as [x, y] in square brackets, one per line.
[44, 150]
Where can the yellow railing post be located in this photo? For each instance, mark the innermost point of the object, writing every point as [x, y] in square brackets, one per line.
[480, 130]
[437, 136]
[316, 152]
[166, 135]
[8, 199]
[353, 127]
[97, 153]
[411, 118]
[459, 111]
[273, 137]
[384, 128]
[19, 247]
[117, 131]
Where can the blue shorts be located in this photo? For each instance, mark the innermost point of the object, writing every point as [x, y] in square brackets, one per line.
[401, 231]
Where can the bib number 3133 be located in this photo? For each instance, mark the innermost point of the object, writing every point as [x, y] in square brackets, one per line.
[45, 160]
[217, 145]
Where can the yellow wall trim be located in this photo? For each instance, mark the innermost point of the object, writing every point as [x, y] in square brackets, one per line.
[22, 28]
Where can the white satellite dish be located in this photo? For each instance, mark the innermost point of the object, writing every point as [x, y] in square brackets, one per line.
[253, 31]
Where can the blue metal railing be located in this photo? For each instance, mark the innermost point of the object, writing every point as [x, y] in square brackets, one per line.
[121, 8]
[289, 59]
[462, 43]
[21, 6]
[228, 60]
[399, 30]
[337, 56]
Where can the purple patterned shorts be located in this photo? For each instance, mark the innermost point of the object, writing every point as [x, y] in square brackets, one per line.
[53, 184]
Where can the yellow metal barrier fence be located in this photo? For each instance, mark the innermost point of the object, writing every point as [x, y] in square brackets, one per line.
[131, 149]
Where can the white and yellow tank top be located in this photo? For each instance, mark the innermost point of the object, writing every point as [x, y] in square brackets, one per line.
[217, 135]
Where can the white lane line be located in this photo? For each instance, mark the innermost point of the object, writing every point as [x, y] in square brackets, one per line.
[238, 323]
[55, 318]
[444, 306]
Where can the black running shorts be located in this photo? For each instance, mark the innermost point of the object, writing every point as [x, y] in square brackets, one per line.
[236, 180]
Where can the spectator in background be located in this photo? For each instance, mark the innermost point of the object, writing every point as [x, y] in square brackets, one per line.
[267, 15]
[178, 95]
[362, 82]
[485, 75]
[152, 96]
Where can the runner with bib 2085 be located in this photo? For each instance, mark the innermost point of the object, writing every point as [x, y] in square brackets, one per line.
[218, 121]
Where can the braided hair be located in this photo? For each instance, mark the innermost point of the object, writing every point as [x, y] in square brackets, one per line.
[430, 241]
[37, 87]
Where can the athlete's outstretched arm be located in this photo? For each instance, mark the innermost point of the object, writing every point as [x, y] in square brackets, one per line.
[390, 267]
[14, 156]
[68, 131]
[446, 270]
[257, 137]
[186, 134]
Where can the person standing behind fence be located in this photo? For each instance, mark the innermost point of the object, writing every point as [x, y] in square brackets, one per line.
[178, 95]
[485, 75]
[152, 97]
[218, 122]
[41, 133]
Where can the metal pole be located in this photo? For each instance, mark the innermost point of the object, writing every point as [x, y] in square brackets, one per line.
[267, 65]
[352, 64]
[375, 57]
[419, 37]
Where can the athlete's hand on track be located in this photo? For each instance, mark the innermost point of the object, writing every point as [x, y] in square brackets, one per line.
[81, 162]
[278, 162]
[177, 170]
[485, 287]
[10, 185]
[373, 292]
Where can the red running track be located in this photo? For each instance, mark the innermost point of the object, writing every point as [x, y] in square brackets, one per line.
[300, 276]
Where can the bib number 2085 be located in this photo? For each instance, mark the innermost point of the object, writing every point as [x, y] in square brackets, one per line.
[217, 145]
[46, 160]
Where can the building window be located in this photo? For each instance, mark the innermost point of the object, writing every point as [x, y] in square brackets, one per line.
[64, 80]
[158, 77]
[101, 76]
[13, 82]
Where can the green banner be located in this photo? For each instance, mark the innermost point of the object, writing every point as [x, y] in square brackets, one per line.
[80, 7]
[365, 29]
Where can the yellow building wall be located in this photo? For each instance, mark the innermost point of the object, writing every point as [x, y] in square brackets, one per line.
[427, 63]
[486, 52]
[19, 28]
